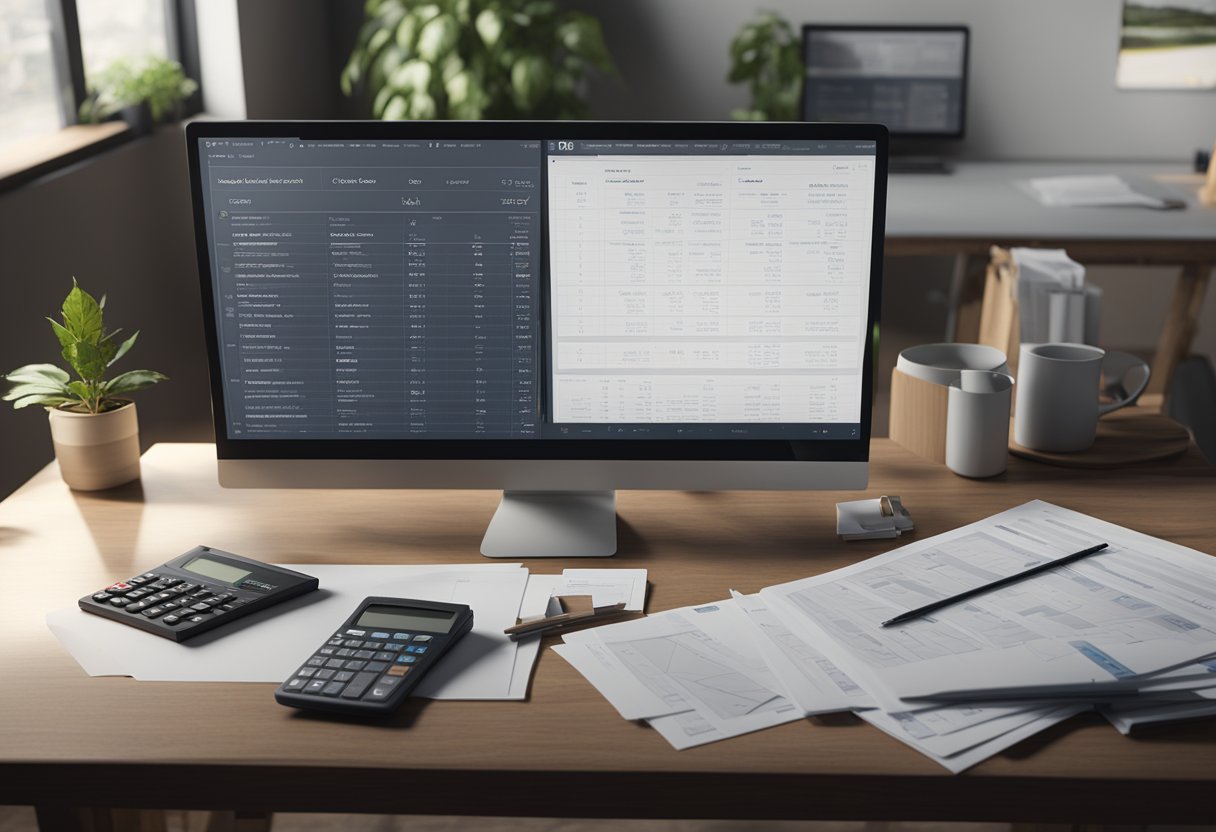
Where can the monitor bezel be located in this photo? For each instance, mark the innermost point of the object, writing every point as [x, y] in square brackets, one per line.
[550, 448]
[808, 28]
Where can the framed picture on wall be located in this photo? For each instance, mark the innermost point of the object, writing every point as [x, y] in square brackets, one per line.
[1167, 45]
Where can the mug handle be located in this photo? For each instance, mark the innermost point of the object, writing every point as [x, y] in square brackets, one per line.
[1120, 364]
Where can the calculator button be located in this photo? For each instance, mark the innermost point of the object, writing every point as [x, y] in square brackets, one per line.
[119, 588]
[201, 608]
[222, 599]
[358, 633]
[139, 606]
[355, 665]
[333, 688]
[401, 636]
[334, 642]
[138, 580]
[240, 602]
[373, 645]
[225, 608]
[151, 576]
[380, 635]
[422, 638]
[356, 688]
[316, 661]
[102, 596]
[295, 684]
[376, 667]
[186, 587]
[383, 656]
[406, 659]
[316, 686]
[306, 672]
[326, 674]
[153, 612]
[383, 688]
[393, 645]
[399, 670]
[201, 595]
[345, 652]
[136, 594]
[420, 649]
[352, 642]
[343, 676]
[218, 611]
[363, 654]
[326, 651]
[196, 619]
[171, 619]
[119, 602]
[335, 663]
[411, 649]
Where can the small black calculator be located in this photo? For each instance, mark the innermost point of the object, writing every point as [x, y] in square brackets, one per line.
[370, 665]
[195, 592]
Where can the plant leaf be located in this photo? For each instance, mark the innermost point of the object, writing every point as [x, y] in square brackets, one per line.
[79, 389]
[49, 401]
[123, 349]
[131, 381]
[86, 359]
[17, 391]
[39, 372]
[82, 316]
[62, 334]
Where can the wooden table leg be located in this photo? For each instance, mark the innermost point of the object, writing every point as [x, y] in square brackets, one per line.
[1181, 324]
[966, 298]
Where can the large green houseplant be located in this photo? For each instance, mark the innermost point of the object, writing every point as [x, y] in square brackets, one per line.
[766, 54]
[474, 59]
[143, 92]
[93, 424]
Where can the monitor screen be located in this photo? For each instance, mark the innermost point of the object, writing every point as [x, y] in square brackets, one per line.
[911, 79]
[549, 286]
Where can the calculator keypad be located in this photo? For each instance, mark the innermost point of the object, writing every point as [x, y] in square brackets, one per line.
[169, 601]
[377, 665]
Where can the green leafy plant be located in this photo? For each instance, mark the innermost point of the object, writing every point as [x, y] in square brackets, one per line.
[159, 82]
[766, 54]
[90, 351]
[474, 59]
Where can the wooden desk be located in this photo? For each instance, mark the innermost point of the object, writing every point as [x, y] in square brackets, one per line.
[964, 213]
[68, 739]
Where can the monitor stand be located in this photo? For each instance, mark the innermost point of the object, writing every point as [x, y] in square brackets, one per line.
[552, 524]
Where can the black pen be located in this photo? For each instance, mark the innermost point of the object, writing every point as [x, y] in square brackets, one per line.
[954, 599]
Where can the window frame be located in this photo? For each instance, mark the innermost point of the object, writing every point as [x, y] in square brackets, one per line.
[71, 87]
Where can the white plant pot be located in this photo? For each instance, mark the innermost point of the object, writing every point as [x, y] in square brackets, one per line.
[96, 451]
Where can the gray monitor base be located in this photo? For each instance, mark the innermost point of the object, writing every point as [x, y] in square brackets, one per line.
[552, 524]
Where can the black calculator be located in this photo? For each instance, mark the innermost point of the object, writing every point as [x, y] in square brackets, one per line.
[370, 665]
[196, 592]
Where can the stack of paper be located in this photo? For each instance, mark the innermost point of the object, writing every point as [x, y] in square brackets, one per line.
[1131, 630]
[1054, 302]
[269, 645]
[1100, 190]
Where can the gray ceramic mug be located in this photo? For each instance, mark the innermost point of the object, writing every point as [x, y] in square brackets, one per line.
[1057, 394]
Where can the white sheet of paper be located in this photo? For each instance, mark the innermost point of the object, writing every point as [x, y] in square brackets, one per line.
[1141, 606]
[536, 597]
[607, 586]
[978, 753]
[812, 680]
[268, 646]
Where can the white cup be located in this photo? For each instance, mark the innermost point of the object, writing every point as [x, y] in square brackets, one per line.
[1057, 398]
[977, 423]
[942, 363]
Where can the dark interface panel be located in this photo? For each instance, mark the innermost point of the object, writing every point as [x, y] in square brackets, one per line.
[399, 290]
[909, 80]
[376, 289]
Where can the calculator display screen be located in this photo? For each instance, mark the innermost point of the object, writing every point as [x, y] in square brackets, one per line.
[215, 569]
[407, 618]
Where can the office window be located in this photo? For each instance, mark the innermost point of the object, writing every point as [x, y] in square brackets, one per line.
[28, 99]
[115, 29]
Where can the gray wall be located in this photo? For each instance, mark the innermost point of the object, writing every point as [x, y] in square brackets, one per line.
[1042, 72]
[121, 224]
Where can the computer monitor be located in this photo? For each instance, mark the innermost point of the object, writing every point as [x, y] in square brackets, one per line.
[555, 309]
[913, 79]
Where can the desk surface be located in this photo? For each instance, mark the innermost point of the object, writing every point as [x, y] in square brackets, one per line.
[981, 200]
[565, 752]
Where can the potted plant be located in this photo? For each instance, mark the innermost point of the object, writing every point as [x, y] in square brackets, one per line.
[93, 424]
[767, 55]
[474, 59]
[143, 93]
